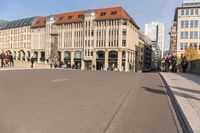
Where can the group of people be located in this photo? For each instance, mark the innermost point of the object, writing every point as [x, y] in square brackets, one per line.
[171, 63]
[6, 59]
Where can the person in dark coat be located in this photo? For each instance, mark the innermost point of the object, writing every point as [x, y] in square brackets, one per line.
[184, 64]
[32, 62]
[11, 60]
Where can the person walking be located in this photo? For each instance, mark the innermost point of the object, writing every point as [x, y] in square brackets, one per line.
[184, 64]
[11, 60]
[32, 62]
[2, 59]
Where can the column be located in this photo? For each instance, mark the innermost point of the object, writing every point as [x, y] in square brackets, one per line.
[39, 56]
[72, 58]
[106, 60]
[120, 60]
[82, 64]
[62, 56]
[126, 62]
[94, 61]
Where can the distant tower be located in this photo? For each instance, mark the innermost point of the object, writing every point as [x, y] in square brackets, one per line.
[155, 31]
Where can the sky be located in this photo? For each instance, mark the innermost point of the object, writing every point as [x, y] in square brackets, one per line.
[142, 11]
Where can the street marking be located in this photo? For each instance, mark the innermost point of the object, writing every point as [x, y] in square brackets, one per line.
[59, 80]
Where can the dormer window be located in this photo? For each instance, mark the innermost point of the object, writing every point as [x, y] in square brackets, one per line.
[103, 14]
[81, 16]
[70, 17]
[61, 18]
[113, 12]
[38, 22]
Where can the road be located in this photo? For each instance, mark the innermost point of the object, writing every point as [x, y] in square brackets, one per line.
[60, 101]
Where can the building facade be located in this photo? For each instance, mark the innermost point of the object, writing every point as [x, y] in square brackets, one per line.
[155, 31]
[144, 53]
[187, 24]
[173, 39]
[102, 38]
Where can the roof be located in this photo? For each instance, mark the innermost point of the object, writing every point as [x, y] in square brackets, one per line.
[17, 23]
[78, 16]
[39, 22]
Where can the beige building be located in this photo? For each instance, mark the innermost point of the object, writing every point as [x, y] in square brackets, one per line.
[173, 39]
[187, 19]
[101, 38]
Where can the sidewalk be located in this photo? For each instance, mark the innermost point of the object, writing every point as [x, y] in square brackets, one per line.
[25, 65]
[186, 90]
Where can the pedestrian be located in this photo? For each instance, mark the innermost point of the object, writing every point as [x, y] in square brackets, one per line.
[184, 64]
[167, 63]
[11, 60]
[173, 63]
[2, 59]
[32, 61]
[93, 67]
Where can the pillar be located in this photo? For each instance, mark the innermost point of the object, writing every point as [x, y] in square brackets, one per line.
[120, 60]
[62, 56]
[72, 57]
[126, 62]
[106, 60]
[39, 56]
[94, 61]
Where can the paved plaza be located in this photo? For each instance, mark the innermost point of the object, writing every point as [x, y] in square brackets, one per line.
[60, 101]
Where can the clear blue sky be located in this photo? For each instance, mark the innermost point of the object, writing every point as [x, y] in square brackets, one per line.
[143, 11]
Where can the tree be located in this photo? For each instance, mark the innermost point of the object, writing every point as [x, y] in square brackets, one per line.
[191, 53]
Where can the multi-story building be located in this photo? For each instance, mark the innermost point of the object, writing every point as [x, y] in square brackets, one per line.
[173, 39]
[105, 38]
[155, 31]
[187, 19]
[143, 53]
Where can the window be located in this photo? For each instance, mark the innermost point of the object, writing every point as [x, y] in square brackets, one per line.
[124, 32]
[182, 12]
[195, 45]
[113, 12]
[195, 35]
[192, 11]
[186, 24]
[181, 46]
[191, 35]
[103, 14]
[196, 11]
[61, 18]
[38, 22]
[92, 33]
[124, 43]
[81, 16]
[124, 22]
[182, 24]
[70, 17]
[182, 35]
[186, 35]
[186, 45]
[191, 23]
[196, 24]
[187, 12]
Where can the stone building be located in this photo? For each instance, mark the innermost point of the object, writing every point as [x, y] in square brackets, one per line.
[186, 27]
[101, 38]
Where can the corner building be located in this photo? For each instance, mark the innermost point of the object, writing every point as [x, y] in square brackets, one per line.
[186, 27]
[104, 38]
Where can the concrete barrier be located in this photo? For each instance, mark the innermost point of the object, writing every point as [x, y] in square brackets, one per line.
[194, 67]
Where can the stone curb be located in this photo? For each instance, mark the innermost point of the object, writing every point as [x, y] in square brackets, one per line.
[179, 112]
